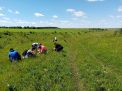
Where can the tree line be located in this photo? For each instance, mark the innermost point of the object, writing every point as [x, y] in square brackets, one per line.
[28, 27]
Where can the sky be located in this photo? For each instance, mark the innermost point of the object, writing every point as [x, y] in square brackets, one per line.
[61, 13]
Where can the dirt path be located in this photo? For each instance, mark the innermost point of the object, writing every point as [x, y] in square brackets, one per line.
[72, 55]
[75, 73]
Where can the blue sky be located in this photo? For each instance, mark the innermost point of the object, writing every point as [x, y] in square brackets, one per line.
[61, 13]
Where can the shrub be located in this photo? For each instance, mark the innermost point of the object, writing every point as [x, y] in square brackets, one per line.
[7, 33]
[1, 47]
[120, 31]
[115, 33]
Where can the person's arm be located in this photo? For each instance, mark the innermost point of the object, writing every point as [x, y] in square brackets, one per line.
[9, 54]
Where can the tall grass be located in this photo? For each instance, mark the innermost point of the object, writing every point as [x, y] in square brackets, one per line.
[96, 57]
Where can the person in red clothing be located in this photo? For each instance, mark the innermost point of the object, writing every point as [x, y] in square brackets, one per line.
[42, 49]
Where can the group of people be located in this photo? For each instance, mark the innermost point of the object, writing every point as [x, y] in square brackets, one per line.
[37, 48]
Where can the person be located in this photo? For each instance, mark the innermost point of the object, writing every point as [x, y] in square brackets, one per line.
[58, 47]
[24, 54]
[14, 55]
[35, 45]
[55, 39]
[42, 49]
[29, 53]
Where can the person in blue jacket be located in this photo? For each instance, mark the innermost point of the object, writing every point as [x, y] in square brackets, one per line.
[14, 55]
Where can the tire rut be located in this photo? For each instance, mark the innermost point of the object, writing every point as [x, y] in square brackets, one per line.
[78, 85]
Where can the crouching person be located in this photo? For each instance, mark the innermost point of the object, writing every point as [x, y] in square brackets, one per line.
[29, 53]
[42, 49]
[24, 54]
[58, 47]
[35, 45]
[14, 55]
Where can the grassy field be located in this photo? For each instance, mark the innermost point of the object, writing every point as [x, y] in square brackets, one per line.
[91, 61]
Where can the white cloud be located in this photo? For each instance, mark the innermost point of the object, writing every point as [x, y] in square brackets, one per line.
[74, 19]
[38, 14]
[116, 16]
[108, 23]
[10, 11]
[70, 10]
[76, 22]
[120, 9]
[55, 16]
[13, 12]
[20, 21]
[111, 16]
[76, 13]
[119, 16]
[56, 23]
[4, 21]
[64, 21]
[6, 18]
[1, 14]
[1, 8]
[17, 12]
[94, 0]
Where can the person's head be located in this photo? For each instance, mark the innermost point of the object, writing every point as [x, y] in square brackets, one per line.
[40, 44]
[33, 49]
[11, 50]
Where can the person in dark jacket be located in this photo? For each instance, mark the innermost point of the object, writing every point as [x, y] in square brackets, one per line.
[58, 47]
[24, 54]
[14, 55]
[29, 53]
